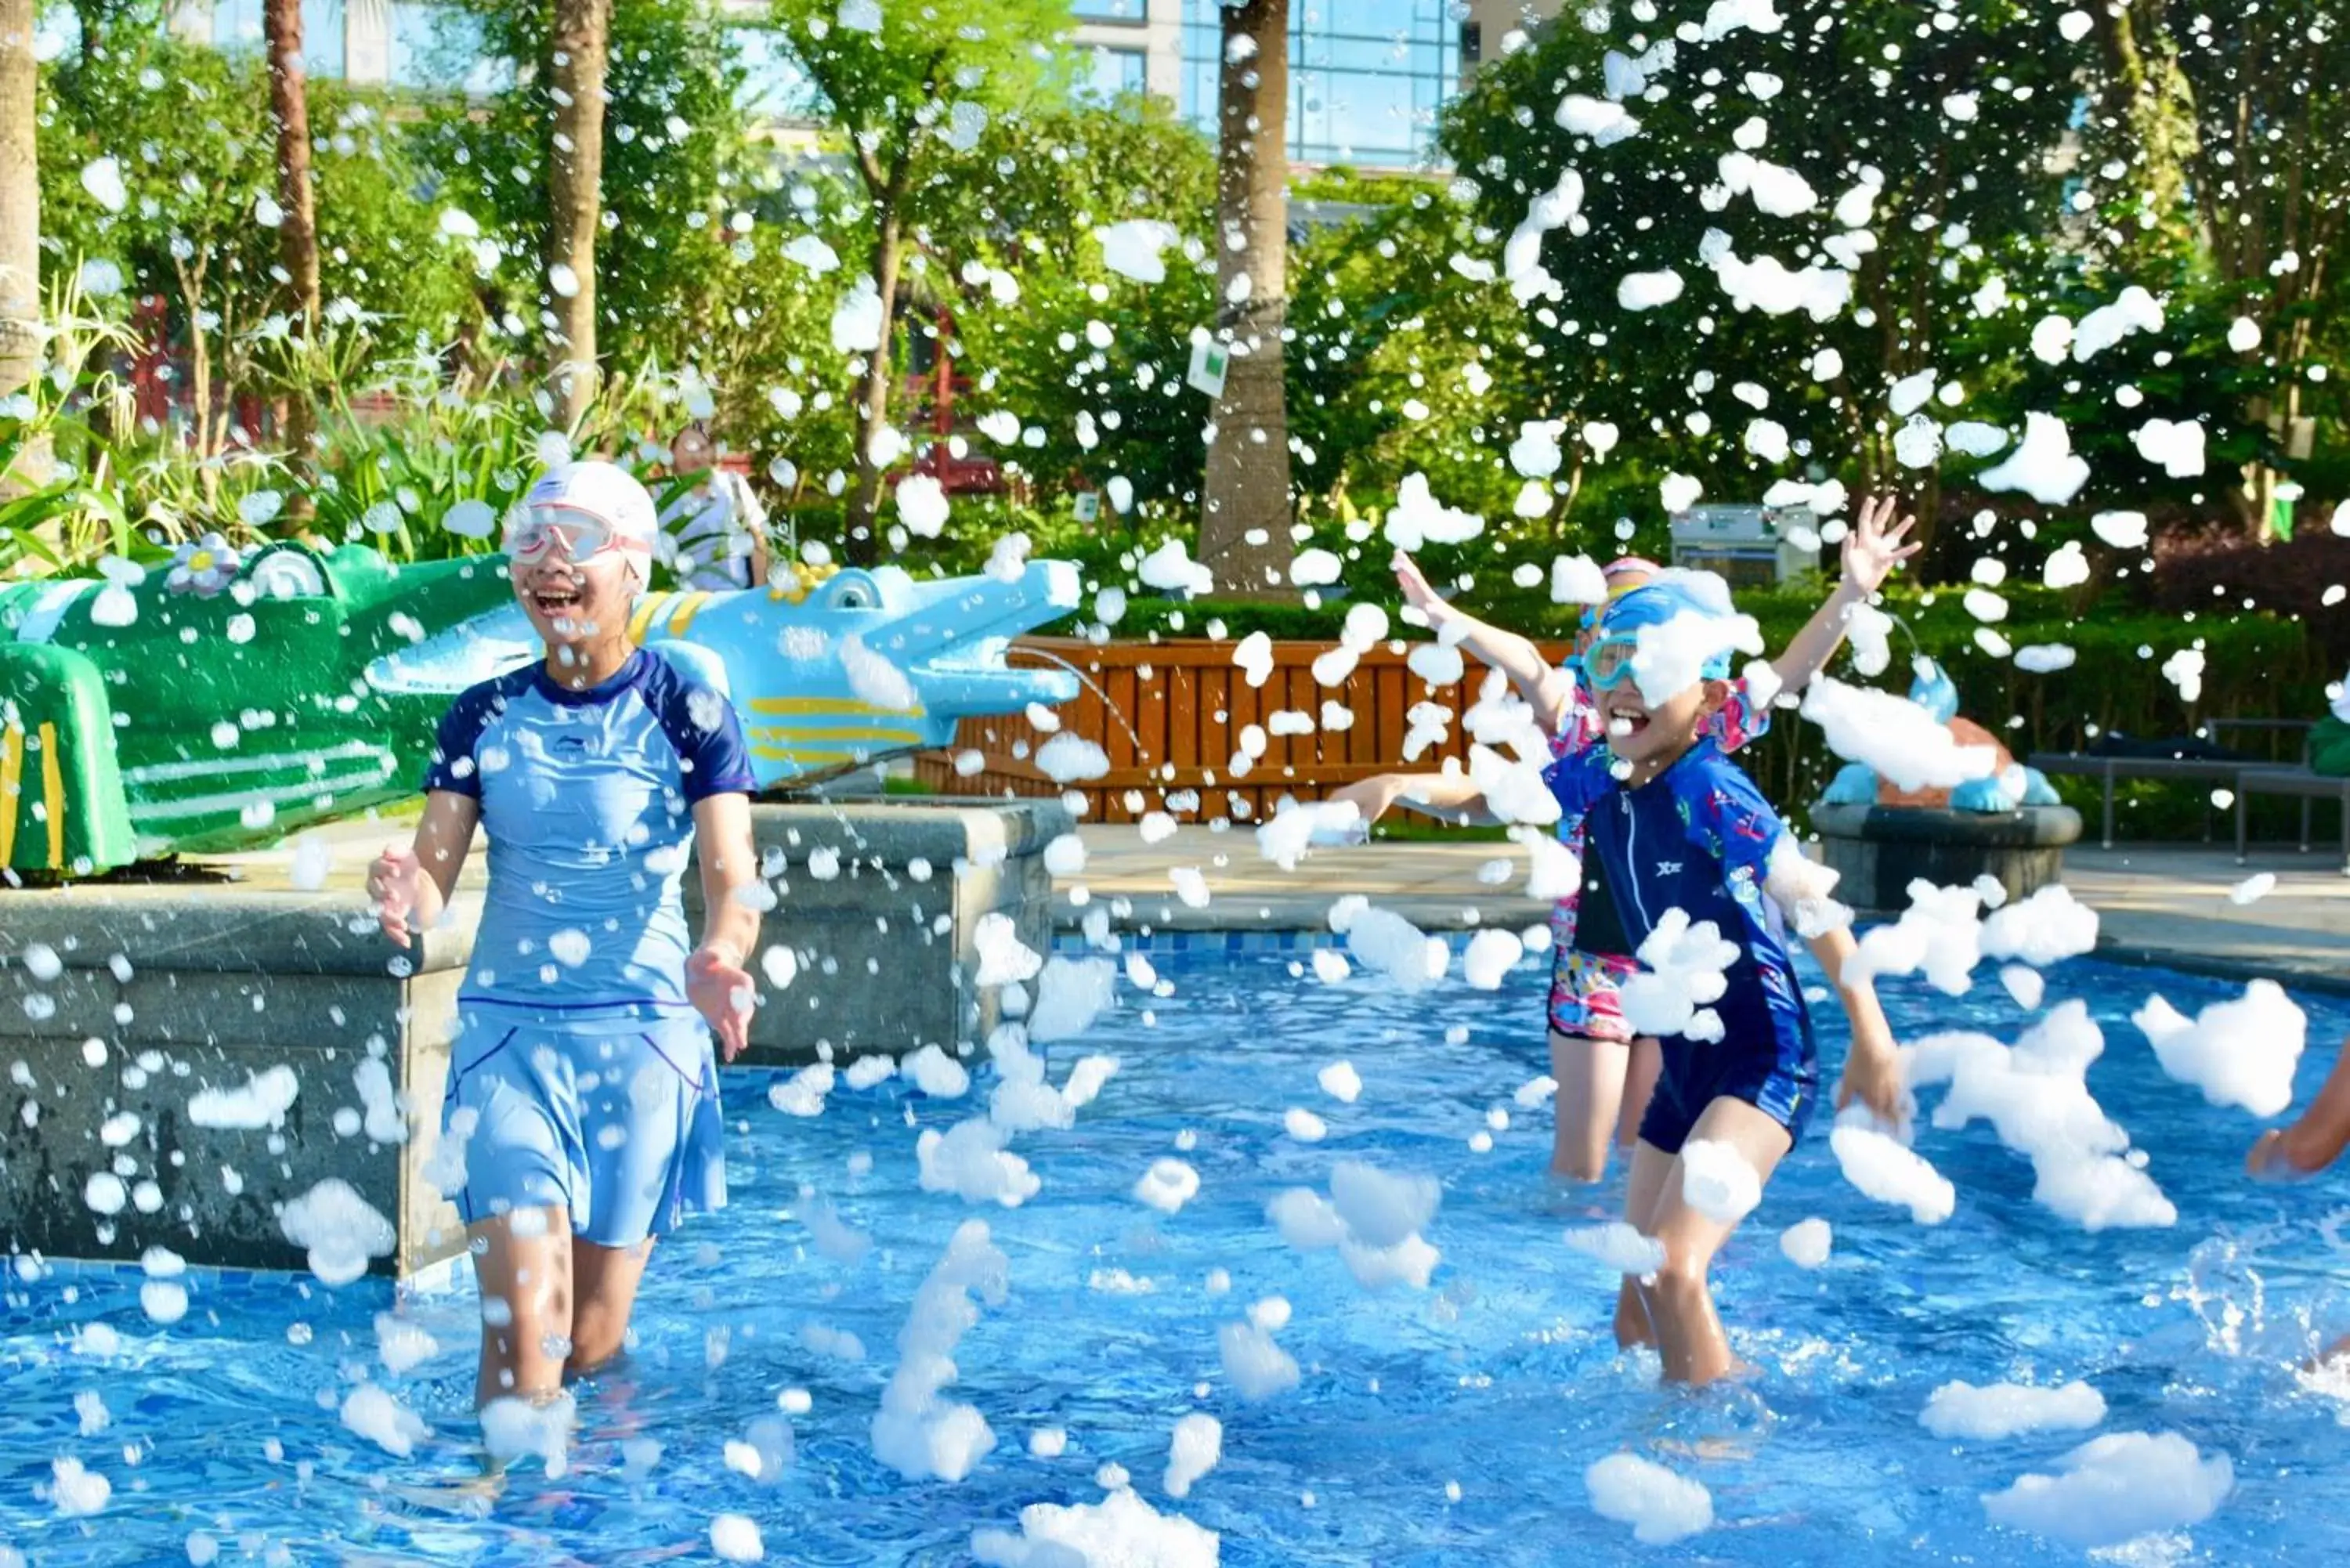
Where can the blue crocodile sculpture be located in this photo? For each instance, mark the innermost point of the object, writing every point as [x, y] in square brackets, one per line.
[1857, 785]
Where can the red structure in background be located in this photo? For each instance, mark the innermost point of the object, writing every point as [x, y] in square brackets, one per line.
[162, 388]
[929, 392]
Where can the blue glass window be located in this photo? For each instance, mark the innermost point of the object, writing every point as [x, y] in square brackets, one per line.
[1117, 71]
[1366, 77]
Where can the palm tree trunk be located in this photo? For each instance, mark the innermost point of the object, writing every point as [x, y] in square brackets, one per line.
[298, 228]
[1245, 522]
[864, 547]
[574, 193]
[20, 204]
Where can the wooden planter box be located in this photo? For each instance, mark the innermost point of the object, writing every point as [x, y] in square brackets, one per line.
[1170, 715]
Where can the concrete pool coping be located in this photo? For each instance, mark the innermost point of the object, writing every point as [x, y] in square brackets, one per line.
[2158, 905]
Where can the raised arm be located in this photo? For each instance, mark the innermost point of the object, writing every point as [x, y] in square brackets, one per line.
[718, 975]
[1872, 1072]
[1543, 686]
[1870, 555]
[2317, 1139]
[1453, 797]
[410, 888]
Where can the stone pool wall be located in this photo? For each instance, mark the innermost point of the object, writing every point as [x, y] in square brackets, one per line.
[162, 991]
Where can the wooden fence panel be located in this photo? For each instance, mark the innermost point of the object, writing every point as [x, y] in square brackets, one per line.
[1187, 707]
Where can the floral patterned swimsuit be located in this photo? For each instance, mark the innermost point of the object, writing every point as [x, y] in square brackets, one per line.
[1586, 979]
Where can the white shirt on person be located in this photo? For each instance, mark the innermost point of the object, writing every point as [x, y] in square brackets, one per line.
[708, 533]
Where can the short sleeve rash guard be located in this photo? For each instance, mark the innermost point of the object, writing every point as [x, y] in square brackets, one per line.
[587, 799]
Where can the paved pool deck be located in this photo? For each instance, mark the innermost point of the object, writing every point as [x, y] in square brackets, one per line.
[2158, 903]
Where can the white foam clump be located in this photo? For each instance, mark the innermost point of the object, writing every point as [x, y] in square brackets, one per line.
[77, 1493]
[1577, 580]
[970, 1159]
[339, 1230]
[2133, 310]
[734, 1538]
[1661, 1506]
[1778, 191]
[2049, 926]
[1492, 953]
[1670, 658]
[2009, 1410]
[1304, 1125]
[1167, 1185]
[868, 1070]
[834, 1236]
[874, 678]
[1618, 1246]
[1193, 1450]
[1522, 255]
[1340, 1081]
[1718, 1182]
[2115, 1488]
[1686, 974]
[2036, 1098]
[1418, 519]
[1605, 123]
[1647, 290]
[802, 1094]
[935, 1072]
[1068, 757]
[2044, 467]
[1024, 1100]
[1884, 1169]
[514, 1428]
[1004, 958]
[1898, 740]
[1257, 1367]
[1769, 286]
[2045, 658]
[915, 1433]
[2122, 530]
[2238, 1053]
[1131, 248]
[1120, 1532]
[1071, 992]
[1373, 1219]
[1939, 932]
[1170, 569]
[1807, 1242]
[1299, 825]
[1384, 940]
[373, 1414]
[2175, 446]
[260, 1101]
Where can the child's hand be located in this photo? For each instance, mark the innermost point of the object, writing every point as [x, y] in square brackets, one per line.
[1870, 554]
[391, 888]
[721, 991]
[1872, 1075]
[1416, 590]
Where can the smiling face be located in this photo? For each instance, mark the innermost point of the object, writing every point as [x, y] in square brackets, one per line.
[575, 604]
[1650, 735]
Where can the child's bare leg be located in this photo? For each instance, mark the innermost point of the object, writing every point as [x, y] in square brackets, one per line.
[1646, 1065]
[1590, 1074]
[1651, 1169]
[1680, 1300]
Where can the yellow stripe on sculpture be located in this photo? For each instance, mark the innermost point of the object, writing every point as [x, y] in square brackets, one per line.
[53, 796]
[12, 801]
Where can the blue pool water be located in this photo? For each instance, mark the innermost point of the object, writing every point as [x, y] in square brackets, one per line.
[1440, 1426]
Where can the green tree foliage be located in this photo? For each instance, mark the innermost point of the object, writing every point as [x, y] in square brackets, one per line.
[677, 170]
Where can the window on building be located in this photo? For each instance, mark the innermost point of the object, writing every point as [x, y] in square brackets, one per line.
[1134, 11]
[773, 89]
[1117, 71]
[237, 26]
[434, 45]
[1366, 77]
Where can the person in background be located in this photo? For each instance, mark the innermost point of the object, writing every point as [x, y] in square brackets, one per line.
[1604, 1075]
[581, 1117]
[714, 529]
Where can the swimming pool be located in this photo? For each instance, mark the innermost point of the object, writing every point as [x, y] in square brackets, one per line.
[1449, 1425]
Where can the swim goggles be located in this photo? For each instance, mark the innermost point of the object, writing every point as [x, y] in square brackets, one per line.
[533, 533]
[1608, 660]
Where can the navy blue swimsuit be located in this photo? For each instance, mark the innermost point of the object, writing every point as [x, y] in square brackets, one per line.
[1698, 837]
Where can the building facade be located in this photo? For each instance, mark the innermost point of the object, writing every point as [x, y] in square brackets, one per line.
[1366, 78]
